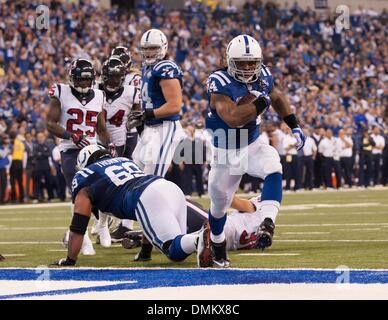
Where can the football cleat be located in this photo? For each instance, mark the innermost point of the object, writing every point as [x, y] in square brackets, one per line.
[265, 234]
[87, 246]
[118, 234]
[204, 252]
[132, 239]
[95, 226]
[1, 258]
[103, 237]
[220, 257]
[144, 254]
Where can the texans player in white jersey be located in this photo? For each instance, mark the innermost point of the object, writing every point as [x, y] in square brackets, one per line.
[236, 149]
[76, 116]
[120, 100]
[132, 78]
[118, 186]
[241, 228]
[161, 96]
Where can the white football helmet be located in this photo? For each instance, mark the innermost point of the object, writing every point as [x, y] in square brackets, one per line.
[244, 58]
[153, 46]
[85, 154]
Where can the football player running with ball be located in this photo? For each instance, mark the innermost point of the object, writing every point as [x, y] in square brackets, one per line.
[237, 95]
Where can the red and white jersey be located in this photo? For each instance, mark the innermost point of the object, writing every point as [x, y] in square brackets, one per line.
[78, 116]
[240, 230]
[133, 78]
[117, 110]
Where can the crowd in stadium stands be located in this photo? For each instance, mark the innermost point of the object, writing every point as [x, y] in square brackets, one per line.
[336, 81]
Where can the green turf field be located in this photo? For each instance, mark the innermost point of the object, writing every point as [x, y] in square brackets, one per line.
[314, 230]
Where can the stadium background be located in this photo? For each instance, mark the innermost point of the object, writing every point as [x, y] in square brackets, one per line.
[334, 80]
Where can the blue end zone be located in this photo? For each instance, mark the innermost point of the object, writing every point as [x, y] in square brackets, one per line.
[153, 278]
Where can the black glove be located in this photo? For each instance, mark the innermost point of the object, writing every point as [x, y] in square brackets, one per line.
[64, 262]
[135, 119]
[80, 141]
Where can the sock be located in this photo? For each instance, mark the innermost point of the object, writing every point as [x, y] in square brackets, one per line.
[127, 223]
[269, 209]
[217, 238]
[272, 188]
[216, 225]
[188, 243]
[176, 252]
[103, 220]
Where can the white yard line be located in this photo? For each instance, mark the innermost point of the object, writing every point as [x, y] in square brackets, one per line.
[268, 254]
[332, 224]
[13, 255]
[333, 240]
[35, 206]
[312, 232]
[29, 242]
[33, 228]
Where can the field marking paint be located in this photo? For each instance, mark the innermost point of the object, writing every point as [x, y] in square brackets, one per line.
[32, 228]
[47, 218]
[30, 242]
[366, 229]
[331, 224]
[35, 206]
[312, 232]
[14, 255]
[325, 205]
[57, 250]
[130, 280]
[333, 240]
[268, 254]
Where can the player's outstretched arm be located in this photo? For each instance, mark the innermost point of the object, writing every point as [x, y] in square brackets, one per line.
[78, 228]
[102, 131]
[235, 116]
[53, 118]
[242, 205]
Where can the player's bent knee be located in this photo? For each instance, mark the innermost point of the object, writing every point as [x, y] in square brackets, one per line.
[273, 166]
[173, 250]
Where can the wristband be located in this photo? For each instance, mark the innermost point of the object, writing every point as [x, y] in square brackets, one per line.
[291, 121]
[149, 114]
[67, 135]
[79, 223]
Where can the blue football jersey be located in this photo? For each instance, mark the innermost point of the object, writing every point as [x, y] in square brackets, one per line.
[114, 185]
[220, 82]
[151, 91]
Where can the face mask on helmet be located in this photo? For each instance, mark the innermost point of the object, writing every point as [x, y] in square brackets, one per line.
[244, 70]
[81, 76]
[151, 54]
[113, 75]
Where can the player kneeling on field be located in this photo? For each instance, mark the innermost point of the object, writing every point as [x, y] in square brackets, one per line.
[118, 186]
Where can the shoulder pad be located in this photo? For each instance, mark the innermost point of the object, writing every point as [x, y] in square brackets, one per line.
[167, 69]
[266, 76]
[55, 91]
[218, 82]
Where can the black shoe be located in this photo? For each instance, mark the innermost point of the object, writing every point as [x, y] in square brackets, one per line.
[118, 234]
[132, 239]
[265, 234]
[220, 257]
[144, 254]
